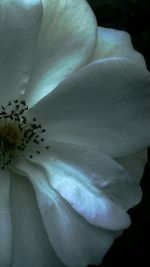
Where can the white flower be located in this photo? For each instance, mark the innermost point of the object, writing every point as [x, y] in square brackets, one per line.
[90, 90]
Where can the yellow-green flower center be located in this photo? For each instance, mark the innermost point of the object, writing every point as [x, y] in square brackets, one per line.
[16, 132]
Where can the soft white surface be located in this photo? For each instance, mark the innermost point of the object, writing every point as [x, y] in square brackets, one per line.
[105, 105]
[6, 231]
[135, 164]
[82, 195]
[19, 27]
[68, 232]
[31, 247]
[65, 43]
[114, 43]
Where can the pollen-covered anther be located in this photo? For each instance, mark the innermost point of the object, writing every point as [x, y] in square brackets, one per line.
[16, 132]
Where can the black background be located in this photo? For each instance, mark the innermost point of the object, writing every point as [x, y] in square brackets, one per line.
[133, 16]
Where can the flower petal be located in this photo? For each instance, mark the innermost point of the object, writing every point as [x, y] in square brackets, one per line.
[135, 164]
[75, 241]
[19, 26]
[73, 169]
[105, 106]
[31, 244]
[84, 178]
[5, 220]
[65, 43]
[115, 43]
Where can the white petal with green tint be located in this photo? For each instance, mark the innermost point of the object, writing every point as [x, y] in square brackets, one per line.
[82, 195]
[114, 43]
[66, 41]
[19, 27]
[77, 242]
[6, 230]
[72, 169]
[135, 164]
[105, 105]
[31, 247]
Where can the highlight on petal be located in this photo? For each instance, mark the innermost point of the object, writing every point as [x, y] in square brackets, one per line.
[19, 27]
[83, 170]
[105, 106]
[82, 195]
[6, 231]
[76, 242]
[115, 43]
[65, 44]
[96, 207]
[31, 246]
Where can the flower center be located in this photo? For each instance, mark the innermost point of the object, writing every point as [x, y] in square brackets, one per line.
[16, 132]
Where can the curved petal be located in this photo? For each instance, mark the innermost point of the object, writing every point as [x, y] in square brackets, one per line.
[76, 242]
[115, 43]
[68, 232]
[31, 244]
[108, 188]
[97, 174]
[5, 220]
[19, 27]
[105, 106]
[79, 164]
[66, 41]
[135, 164]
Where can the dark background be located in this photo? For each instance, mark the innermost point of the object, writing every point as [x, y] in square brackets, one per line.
[132, 16]
[133, 247]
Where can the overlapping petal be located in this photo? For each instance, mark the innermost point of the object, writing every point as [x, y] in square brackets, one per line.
[114, 43]
[19, 27]
[68, 232]
[65, 43]
[6, 230]
[105, 106]
[75, 169]
[96, 188]
[31, 246]
[80, 243]
[135, 164]
[82, 194]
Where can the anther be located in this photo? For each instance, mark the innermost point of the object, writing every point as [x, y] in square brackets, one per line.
[16, 132]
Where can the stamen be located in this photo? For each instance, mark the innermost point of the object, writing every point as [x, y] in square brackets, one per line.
[16, 132]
